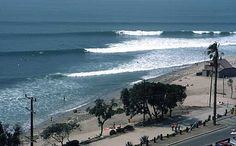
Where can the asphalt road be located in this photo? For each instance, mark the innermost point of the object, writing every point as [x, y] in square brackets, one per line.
[212, 137]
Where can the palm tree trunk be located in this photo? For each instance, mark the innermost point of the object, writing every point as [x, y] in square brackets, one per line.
[215, 87]
[223, 86]
[232, 91]
[211, 87]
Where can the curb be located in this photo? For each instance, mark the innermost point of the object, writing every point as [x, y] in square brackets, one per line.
[229, 116]
[225, 117]
[197, 135]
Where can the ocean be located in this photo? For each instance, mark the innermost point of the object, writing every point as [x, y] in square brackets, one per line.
[82, 50]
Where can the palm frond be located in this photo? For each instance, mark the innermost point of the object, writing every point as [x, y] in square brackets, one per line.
[211, 56]
[211, 50]
[213, 47]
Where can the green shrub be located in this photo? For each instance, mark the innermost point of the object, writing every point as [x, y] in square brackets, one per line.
[72, 143]
[112, 132]
[129, 128]
[129, 143]
[120, 110]
[120, 130]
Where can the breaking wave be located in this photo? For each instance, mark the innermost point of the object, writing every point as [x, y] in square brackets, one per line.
[144, 62]
[172, 33]
[119, 32]
[139, 33]
[145, 44]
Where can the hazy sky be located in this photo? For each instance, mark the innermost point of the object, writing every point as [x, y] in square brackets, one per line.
[119, 10]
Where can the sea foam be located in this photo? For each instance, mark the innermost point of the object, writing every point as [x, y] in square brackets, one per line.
[139, 33]
[145, 62]
[160, 33]
[145, 44]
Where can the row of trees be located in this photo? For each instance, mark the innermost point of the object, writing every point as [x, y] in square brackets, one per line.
[160, 97]
[138, 99]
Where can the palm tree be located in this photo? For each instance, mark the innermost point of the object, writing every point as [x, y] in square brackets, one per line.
[144, 140]
[129, 143]
[212, 52]
[230, 83]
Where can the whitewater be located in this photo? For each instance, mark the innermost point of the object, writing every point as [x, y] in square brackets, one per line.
[83, 66]
[155, 43]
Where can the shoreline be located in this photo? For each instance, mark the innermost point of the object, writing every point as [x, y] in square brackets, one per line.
[82, 116]
[81, 110]
[194, 104]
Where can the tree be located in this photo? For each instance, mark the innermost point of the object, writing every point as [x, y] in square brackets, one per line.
[125, 98]
[157, 93]
[135, 99]
[230, 83]
[59, 131]
[3, 137]
[212, 52]
[102, 111]
[16, 135]
[175, 93]
[139, 98]
[10, 136]
[159, 96]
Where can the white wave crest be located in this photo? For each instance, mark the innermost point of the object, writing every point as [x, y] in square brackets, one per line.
[139, 33]
[136, 82]
[104, 72]
[212, 32]
[146, 44]
[145, 62]
[216, 32]
[158, 33]
[201, 32]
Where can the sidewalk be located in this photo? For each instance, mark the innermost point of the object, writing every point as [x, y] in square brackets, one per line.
[194, 133]
[202, 130]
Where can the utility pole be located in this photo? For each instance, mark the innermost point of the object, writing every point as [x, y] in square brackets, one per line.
[32, 100]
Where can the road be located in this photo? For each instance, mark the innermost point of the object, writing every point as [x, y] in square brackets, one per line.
[212, 137]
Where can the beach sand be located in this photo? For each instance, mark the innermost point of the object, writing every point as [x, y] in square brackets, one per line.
[197, 98]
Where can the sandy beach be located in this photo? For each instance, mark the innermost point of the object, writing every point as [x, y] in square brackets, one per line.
[195, 105]
[63, 61]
